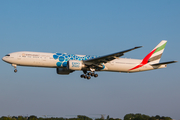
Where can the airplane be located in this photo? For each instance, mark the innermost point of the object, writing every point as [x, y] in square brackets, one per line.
[68, 63]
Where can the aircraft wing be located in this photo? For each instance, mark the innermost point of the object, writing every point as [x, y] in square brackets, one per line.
[107, 58]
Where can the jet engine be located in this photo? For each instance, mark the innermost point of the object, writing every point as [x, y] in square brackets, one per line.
[63, 71]
[75, 65]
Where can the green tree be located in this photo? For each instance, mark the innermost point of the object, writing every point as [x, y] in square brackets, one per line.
[117, 119]
[157, 117]
[99, 119]
[5, 118]
[107, 117]
[129, 116]
[145, 117]
[167, 118]
[111, 119]
[152, 118]
[20, 118]
[14, 118]
[32, 117]
[138, 117]
[82, 117]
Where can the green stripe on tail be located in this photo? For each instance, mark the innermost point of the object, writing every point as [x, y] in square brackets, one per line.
[160, 48]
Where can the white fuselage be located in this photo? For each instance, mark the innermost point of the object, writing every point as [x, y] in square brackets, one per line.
[40, 59]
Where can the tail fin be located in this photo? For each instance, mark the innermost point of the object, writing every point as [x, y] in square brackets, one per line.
[154, 56]
[157, 52]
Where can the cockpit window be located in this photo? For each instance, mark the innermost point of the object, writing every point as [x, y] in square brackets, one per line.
[7, 55]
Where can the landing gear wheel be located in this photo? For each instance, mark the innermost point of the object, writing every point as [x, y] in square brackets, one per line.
[85, 76]
[88, 77]
[96, 75]
[15, 70]
[82, 76]
[89, 73]
[92, 74]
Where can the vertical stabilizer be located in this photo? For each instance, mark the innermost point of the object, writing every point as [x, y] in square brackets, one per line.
[154, 56]
[157, 52]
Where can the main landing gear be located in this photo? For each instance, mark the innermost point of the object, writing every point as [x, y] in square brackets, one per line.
[88, 75]
[15, 67]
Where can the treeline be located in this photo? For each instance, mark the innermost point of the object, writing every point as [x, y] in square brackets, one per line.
[81, 117]
[144, 117]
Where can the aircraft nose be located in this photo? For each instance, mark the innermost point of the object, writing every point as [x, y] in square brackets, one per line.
[3, 58]
[6, 58]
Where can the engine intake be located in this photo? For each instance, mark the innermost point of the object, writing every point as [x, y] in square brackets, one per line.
[63, 71]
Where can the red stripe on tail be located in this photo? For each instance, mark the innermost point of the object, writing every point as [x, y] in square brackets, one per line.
[144, 61]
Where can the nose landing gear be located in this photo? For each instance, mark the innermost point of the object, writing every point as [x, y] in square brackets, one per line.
[15, 66]
[15, 70]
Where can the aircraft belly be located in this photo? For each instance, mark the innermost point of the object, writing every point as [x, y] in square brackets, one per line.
[118, 67]
[36, 62]
[126, 67]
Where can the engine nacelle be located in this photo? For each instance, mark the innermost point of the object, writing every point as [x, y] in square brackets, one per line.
[63, 71]
[75, 65]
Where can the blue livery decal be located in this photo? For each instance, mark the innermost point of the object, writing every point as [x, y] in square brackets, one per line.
[55, 57]
[59, 64]
[64, 57]
[64, 64]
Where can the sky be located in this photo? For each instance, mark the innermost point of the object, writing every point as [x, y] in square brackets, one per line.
[89, 28]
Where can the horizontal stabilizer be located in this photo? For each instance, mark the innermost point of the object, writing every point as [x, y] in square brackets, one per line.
[164, 63]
